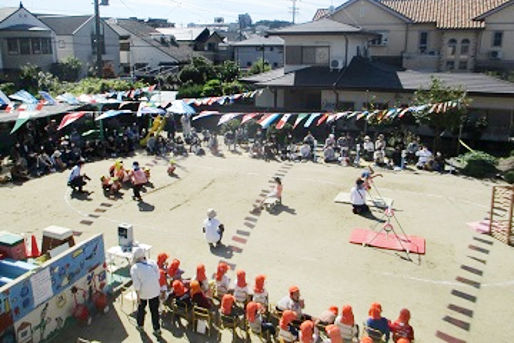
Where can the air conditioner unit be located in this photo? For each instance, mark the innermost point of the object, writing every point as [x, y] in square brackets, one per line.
[495, 55]
[336, 64]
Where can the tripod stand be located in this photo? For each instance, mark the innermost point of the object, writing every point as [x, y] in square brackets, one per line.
[389, 228]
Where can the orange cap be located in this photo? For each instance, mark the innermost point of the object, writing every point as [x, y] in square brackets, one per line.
[287, 317]
[347, 315]
[241, 278]
[293, 289]
[334, 333]
[195, 287]
[404, 316]
[307, 329]
[251, 310]
[161, 259]
[226, 303]
[200, 273]
[334, 310]
[259, 283]
[178, 288]
[222, 269]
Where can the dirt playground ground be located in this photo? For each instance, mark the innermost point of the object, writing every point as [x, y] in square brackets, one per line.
[454, 291]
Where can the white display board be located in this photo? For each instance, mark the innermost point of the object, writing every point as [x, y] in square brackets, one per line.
[41, 283]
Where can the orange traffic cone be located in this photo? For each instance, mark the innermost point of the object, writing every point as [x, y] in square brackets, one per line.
[34, 250]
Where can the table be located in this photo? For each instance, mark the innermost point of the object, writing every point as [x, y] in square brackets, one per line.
[119, 252]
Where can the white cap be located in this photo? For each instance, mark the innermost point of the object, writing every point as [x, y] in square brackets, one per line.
[138, 253]
[211, 213]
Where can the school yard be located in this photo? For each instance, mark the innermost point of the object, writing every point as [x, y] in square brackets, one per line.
[305, 244]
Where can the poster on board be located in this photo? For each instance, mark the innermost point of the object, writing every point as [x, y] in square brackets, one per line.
[41, 283]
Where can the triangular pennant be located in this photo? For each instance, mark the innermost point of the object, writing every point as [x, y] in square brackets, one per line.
[283, 121]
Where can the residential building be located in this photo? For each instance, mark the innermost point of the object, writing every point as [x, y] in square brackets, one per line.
[24, 39]
[327, 69]
[142, 47]
[435, 35]
[76, 36]
[200, 39]
[269, 49]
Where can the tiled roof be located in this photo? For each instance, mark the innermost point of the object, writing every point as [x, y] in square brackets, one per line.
[323, 26]
[181, 53]
[446, 14]
[362, 74]
[64, 25]
[7, 11]
[321, 13]
[260, 41]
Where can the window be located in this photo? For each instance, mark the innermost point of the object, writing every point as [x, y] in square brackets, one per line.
[450, 65]
[497, 39]
[24, 46]
[358, 50]
[62, 44]
[36, 46]
[271, 48]
[313, 55]
[46, 46]
[125, 46]
[452, 47]
[275, 65]
[12, 46]
[248, 64]
[381, 40]
[423, 42]
[463, 65]
[464, 46]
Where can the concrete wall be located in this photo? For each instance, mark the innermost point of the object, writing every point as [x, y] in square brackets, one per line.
[246, 56]
[373, 18]
[499, 21]
[64, 47]
[83, 49]
[336, 44]
[17, 61]
[24, 17]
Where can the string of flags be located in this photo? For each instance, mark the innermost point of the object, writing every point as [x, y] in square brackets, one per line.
[265, 120]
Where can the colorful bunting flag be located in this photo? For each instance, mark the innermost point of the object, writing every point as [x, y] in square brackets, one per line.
[24, 96]
[267, 120]
[322, 119]
[283, 121]
[300, 117]
[70, 118]
[248, 117]
[47, 97]
[311, 119]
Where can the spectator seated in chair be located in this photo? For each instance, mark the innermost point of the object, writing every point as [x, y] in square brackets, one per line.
[174, 271]
[294, 303]
[346, 323]
[288, 332]
[329, 155]
[222, 280]
[198, 297]
[334, 334]
[328, 316]
[377, 322]
[401, 328]
[308, 332]
[180, 293]
[201, 278]
[424, 156]
[254, 312]
[260, 294]
[241, 290]
[228, 306]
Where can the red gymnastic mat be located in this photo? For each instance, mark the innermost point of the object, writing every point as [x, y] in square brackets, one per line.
[388, 241]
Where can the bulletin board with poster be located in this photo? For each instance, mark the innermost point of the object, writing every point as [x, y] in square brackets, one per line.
[55, 276]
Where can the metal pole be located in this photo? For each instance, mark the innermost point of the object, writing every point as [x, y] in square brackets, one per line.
[98, 40]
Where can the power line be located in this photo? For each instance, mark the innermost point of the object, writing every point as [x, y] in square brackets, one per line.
[294, 10]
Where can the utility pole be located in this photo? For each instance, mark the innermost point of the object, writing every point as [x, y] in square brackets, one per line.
[294, 9]
[98, 40]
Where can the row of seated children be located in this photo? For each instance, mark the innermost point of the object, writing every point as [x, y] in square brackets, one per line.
[237, 301]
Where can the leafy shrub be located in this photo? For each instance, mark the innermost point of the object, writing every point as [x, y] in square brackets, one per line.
[67, 70]
[190, 91]
[509, 176]
[478, 164]
[7, 88]
[232, 88]
[212, 88]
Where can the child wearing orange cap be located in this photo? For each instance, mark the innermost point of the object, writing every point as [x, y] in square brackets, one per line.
[198, 297]
[308, 332]
[346, 323]
[401, 327]
[294, 303]
[260, 294]
[333, 333]
[287, 332]
[254, 313]
[241, 290]
[174, 271]
[227, 304]
[328, 316]
[202, 278]
[377, 323]
[180, 293]
[222, 280]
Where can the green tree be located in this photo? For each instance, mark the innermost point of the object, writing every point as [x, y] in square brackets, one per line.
[439, 122]
[212, 88]
[228, 71]
[232, 88]
[197, 72]
[67, 70]
[260, 66]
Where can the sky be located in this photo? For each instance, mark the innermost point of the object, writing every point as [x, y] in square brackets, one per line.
[182, 12]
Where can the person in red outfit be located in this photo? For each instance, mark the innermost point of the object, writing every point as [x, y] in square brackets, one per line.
[401, 328]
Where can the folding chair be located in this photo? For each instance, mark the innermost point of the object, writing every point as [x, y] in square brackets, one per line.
[202, 320]
[180, 310]
[228, 322]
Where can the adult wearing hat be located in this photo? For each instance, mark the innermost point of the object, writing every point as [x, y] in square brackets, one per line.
[145, 279]
[139, 178]
[76, 179]
[212, 228]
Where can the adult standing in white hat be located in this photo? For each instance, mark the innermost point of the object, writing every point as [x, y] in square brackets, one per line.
[145, 279]
[212, 228]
